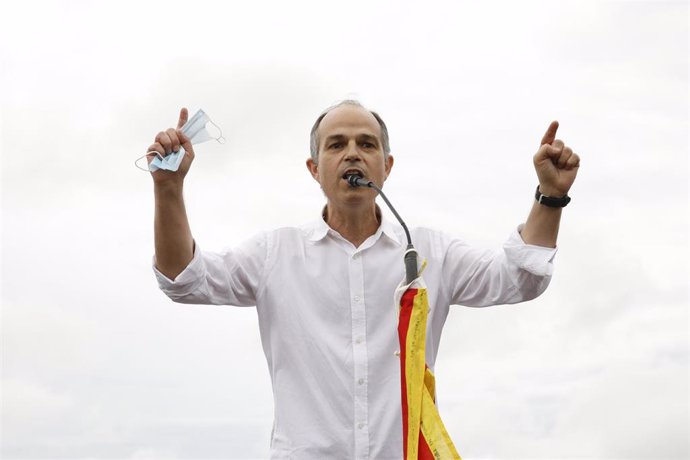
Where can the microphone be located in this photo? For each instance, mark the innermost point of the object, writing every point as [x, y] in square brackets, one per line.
[411, 253]
[355, 181]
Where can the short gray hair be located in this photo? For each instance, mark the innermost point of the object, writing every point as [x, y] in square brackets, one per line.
[314, 136]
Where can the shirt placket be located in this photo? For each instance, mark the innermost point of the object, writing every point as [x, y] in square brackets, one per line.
[357, 306]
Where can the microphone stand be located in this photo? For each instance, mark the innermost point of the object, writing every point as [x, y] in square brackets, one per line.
[411, 252]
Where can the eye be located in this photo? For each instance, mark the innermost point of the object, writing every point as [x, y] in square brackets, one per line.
[368, 145]
[335, 145]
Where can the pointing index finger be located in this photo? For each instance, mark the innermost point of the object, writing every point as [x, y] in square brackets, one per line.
[184, 115]
[550, 134]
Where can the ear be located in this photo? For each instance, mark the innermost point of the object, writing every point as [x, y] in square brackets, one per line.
[389, 164]
[313, 168]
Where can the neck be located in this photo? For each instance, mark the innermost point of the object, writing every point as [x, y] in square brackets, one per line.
[354, 224]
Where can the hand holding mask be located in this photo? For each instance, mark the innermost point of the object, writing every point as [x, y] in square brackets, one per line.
[196, 132]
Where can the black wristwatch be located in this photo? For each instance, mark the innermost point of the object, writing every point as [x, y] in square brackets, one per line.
[550, 201]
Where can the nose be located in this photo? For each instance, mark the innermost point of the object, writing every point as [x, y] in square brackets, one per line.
[352, 153]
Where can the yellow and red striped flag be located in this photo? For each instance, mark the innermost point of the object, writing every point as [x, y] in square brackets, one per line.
[424, 436]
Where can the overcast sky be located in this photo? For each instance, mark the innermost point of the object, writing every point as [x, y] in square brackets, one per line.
[97, 363]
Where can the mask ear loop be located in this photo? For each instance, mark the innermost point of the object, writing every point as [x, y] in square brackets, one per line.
[220, 139]
[136, 162]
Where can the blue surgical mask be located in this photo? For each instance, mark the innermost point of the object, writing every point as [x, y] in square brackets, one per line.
[195, 130]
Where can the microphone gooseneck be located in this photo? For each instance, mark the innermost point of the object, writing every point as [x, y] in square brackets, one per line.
[411, 252]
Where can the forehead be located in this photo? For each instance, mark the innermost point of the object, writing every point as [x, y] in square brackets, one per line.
[349, 119]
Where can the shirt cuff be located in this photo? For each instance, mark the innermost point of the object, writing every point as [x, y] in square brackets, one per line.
[187, 281]
[537, 260]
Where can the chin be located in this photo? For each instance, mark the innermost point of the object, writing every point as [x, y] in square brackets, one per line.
[359, 196]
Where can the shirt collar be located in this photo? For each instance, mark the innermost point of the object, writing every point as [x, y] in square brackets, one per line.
[389, 230]
[319, 229]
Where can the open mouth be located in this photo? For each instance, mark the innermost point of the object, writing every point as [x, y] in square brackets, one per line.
[353, 172]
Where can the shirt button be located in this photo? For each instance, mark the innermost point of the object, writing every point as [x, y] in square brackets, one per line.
[360, 381]
[360, 425]
[355, 255]
[358, 340]
[356, 298]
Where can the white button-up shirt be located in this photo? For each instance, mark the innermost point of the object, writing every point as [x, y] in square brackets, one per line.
[329, 326]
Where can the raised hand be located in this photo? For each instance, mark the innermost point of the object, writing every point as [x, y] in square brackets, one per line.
[556, 164]
[167, 142]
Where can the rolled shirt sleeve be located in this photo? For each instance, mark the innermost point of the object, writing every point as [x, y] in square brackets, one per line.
[231, 277]
[530, 266]
[536, 260]
[479, 278]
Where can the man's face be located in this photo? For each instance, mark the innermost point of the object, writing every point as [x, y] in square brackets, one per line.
[349, 142]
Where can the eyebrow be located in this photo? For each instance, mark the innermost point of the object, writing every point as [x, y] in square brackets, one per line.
[334, 137]
[359, 137]
[369, 138]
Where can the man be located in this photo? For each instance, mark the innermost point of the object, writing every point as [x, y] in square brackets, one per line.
[324, 291]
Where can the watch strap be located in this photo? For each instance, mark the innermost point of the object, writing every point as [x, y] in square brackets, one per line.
[550, 201]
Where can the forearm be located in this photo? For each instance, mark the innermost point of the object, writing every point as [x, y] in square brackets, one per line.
[174, 245]
[541, 228]
[556, 165]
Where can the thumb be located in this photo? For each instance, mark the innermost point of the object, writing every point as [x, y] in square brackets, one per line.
[185, 141]
[550, 134]
[184, 115]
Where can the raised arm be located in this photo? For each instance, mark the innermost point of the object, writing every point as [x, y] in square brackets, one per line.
[173, 237]
[556, 166]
